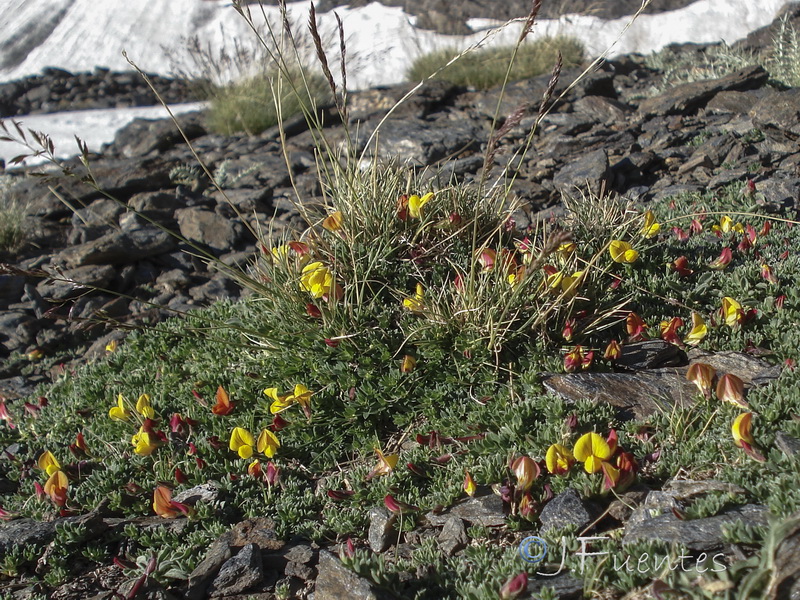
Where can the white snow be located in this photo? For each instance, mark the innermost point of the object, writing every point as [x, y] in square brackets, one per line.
[78, 35]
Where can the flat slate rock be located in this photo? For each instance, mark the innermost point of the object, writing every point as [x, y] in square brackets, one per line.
[786, 572]
[642, 393]
[335, 581]
[699, 535]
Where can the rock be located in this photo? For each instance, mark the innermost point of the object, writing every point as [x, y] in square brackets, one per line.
[25, 532]
[119, 247]
[208, 228]
[335, 582]
[300, 560]
[486, 510]
[785, 580]
[590, 169]
[75, 282]
[699, 535]
[204, 573]
[563, 587]
[688, 97]
[565, 509]
[602, 110]
[681, 489]
[426, 142]
[637, 395]
[787, 444]
[650, 354]
[381, 529]
[453, 536]
[205, 492]
[778, 115]
[239, 573]
[143, 136]
[656, 503]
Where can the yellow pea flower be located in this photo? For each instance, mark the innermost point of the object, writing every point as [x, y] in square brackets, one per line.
[119, 412]
[48, 463]
[144, 408]
[386, 464]
[144, 443]
[651, 228]
[416, 303]
[415, 204]
[732, 311]
[469, 484]
[741, 430]
[242, 442]
[698, 332]
[622, 252]
[591, 449]
[56, 487]
[316, 279]
[558, 459]
[333, 222]
[267, 443]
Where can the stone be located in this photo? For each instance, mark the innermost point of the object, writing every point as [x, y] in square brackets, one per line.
[562, 586]
[650, 354]
[453, 536]
[688, 97]
[787, 444]
[335, 582]
[785, 580]
[654, 504]
[602, 109]
[682, 489]
[75, 282]
[699, 535]
[204, 573]
[119, 247]
[588, 169]
[205, 492]
[565, 509]
[143, 136]
[239, 573]
[425, 142]
[381, 529]
[485, 510]
[208, 228]
[778, 115]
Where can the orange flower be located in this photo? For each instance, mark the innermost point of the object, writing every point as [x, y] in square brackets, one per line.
[613, 351]
[333, 222]
[408, 364]
[635, 326]
[224, 405]
[723, 261]
[164, 506]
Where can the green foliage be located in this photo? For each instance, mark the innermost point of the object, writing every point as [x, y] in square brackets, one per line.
[485, 68]
[11, 217]
[249, 105]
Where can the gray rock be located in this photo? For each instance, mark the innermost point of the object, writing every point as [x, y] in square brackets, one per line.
[682, 489]
[381, 529]
[778, 115]
[426, 142]
[700, 535]
[787, 444]
[655, 503]
[453, 536]
[204, 573]
[688, 97]
[75, 282]
[142, 136]
[602, 109]
[565, 509]
[650, 354]
[335, 582]
[25, 532]
[119, 247]
[785, 581]
[588, 169]
[486, 510]
[239, 573]
[208, 228]
[205, 492]
[564, 587]
[300, 559]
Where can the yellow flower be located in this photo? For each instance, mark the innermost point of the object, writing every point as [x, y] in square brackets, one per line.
[242, 442]
[698, 332]
[56, 487]
[566, 249]
[702, 375]
[111, 346]
[469, 484]
[732, 311]
[651, 228]
[48, 463]
[386, 464]
[302, 396]
[558, 459]
[415, 204]
[726, 225]
[144, 408]
[144, 443]
[316, 279]
[408, 364]
[622, 252]
[416, 303]
[280, 252]
[591, 449]
[119, 412]
[267, 443]
[741, 430]
[333, 222]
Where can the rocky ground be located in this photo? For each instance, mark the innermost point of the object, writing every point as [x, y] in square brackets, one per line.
[83, 275]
